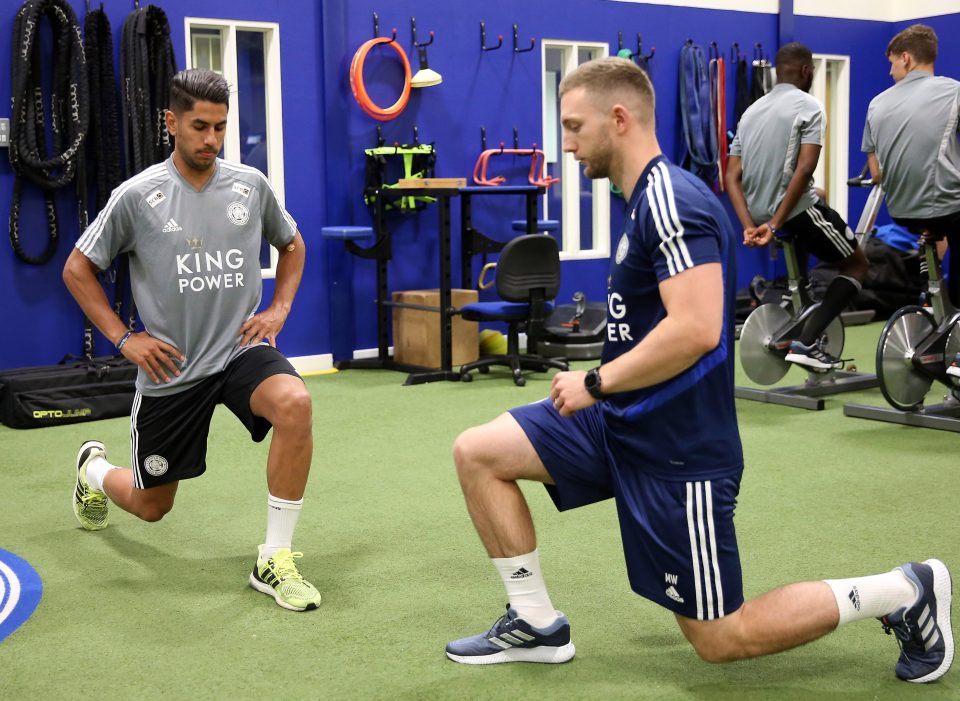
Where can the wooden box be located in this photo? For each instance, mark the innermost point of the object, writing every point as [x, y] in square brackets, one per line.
[416, 332]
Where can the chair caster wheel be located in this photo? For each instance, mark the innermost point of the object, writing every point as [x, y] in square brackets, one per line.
[484, 369]
[519, 380]
[466, 377]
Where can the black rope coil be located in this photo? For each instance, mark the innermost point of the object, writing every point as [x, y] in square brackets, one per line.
[69, 111]
[147, 65]
[103, 165]
[103, 148]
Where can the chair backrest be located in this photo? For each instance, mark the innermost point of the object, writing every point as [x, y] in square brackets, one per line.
[529, 264]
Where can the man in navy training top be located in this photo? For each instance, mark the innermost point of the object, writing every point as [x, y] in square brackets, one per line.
[770, 182]
[654, 427]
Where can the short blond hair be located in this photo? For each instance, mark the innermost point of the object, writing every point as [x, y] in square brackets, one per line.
[918, 40]
[610, 77]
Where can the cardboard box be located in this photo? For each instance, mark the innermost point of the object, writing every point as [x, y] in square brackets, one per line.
[416, 332]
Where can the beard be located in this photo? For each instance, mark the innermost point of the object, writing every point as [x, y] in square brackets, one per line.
[194, 162]
[600, 162]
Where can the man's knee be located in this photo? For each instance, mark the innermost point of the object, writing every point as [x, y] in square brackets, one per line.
[152, 510]
[292, 407]
[715, 641]
[856, 265]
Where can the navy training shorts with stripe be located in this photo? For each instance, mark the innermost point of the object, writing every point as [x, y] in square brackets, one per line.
[821, 231]
[678, 537]
[168, 434]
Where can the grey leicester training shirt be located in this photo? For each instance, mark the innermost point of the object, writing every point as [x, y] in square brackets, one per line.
[768, 143]
[912, 128]
[194, 258]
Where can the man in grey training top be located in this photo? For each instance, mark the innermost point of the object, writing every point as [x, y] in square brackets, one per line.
[770, 183]
[192, 227]
[910, 139]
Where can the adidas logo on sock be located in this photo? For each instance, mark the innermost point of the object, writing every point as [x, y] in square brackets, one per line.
[171, 226]
[854, 597]
[521, 573]
[672, 593]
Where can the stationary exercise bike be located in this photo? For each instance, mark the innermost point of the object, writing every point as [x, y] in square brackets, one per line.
[770, 328]
[915, 349]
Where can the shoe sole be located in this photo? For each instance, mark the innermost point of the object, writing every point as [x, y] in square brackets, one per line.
[943, 594]
[81, 461]
[542, 654]
[808, 362]
[265, 588]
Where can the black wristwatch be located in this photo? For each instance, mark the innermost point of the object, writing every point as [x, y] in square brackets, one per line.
[594, 384]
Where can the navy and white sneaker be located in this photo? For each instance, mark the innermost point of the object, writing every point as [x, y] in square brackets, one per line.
[512, 639]
[812, 356]
[923, 629]
[954, 368]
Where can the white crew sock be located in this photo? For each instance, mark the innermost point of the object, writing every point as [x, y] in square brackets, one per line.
[282, 516]
[97, 469]
[526, 590]
[873, 596]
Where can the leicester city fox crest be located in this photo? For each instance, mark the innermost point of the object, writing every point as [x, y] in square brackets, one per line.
[238, 213]
[622, 249]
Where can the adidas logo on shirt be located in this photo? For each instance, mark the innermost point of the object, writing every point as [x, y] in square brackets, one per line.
[171, 226]
[673, 594]
[521, 573]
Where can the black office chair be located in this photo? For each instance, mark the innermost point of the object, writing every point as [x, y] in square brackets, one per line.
[528, 278]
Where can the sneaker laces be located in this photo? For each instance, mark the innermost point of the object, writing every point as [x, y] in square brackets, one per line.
[284, 565]
[498, 623]
[93, 501]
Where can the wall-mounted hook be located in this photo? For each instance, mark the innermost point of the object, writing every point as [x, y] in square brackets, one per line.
[713, 51]
[416, 135]
[735, 52]
[376, 28]
[136, 4]
[758, 51]
[516, 44]
[380, 141]
[483, 39]
[516, 138]
[413, 31]
[641, 58]
[483, 139]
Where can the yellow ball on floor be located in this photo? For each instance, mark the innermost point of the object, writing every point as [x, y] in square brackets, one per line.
[492, 342]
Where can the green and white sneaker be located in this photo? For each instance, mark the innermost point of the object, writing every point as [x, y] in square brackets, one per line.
[279, 577]
[89, 505]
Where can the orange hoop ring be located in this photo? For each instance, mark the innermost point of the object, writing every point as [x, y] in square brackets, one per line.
[360, 91]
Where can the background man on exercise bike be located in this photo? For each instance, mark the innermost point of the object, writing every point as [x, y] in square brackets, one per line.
[770, 183]
[921, 174]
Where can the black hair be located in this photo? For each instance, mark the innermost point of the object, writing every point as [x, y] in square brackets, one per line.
[197, 84]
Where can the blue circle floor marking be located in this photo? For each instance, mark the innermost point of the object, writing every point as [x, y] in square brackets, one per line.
[20, 592]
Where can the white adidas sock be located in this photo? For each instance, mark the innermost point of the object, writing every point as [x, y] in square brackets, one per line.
[526, 590]
[282, 516]
[873, 596]
[97, 469]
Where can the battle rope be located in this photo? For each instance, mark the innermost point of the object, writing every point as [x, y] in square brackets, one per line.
[68, 104]
[103, 141]
[147, 65]
[697, 120]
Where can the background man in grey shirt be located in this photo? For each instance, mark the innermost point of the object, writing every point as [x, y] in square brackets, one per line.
[910, 139]
[770, 183]
[192, 227]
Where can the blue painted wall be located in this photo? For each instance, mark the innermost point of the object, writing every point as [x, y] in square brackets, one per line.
[325, 132]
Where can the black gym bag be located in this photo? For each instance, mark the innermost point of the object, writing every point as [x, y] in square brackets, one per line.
[70, 392]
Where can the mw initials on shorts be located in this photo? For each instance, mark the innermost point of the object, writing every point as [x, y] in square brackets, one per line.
[670, 578]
